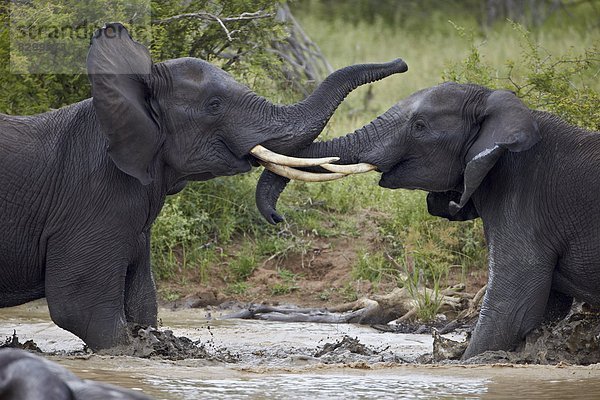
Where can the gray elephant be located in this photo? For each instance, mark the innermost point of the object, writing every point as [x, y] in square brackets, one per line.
[82, 185]
[531, 177]
[25, 376]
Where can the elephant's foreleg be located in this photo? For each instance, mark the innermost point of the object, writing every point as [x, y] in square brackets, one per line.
[85, 287]
[515, 301]
[140, 291]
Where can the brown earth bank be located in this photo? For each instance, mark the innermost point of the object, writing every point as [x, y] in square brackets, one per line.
[321, 277]
[323, 280]
[574, 340]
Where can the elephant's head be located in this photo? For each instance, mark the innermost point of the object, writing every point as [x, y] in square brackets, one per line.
[443, 139]
[194, 119]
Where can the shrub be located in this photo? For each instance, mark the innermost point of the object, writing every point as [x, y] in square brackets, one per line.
[564, 84]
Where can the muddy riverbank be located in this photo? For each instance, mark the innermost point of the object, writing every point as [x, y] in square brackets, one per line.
[258, 359]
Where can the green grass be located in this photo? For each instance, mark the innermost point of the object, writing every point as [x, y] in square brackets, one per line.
[217, 220]
[374, 267]
[285, 284]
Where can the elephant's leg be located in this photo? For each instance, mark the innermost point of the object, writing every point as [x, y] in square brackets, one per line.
[558, 306]
[140, 291]
[85, 285]
[517, 293]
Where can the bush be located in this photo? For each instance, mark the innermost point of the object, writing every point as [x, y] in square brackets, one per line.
[565, 85]
[245, 56]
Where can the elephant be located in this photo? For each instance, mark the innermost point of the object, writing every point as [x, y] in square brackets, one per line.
[26, 376]
[531, 177]
[82, 185]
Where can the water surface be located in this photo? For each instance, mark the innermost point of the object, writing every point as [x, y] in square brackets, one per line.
[278, 361]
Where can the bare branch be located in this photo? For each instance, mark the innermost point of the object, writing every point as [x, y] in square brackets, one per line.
[211, 17]
[205, 16]
[222, 26]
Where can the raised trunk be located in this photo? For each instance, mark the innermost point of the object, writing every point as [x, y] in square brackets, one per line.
[270, 186]
[333, 90]
[305, 120]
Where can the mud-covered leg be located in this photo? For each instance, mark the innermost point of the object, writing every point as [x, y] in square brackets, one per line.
[558, 306]
[140, 291]
[85, 287]
[516, 298]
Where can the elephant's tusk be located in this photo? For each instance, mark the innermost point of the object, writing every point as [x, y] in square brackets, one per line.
[296, 174]
[269, 156]
[350, 168]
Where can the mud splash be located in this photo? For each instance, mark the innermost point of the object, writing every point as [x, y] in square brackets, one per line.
[347, 343]
[350, 350]
[13, 342]
[574, 340]
[146, 342]
[149, 342]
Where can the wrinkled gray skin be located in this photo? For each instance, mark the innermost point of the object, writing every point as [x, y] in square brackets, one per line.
[532, 178]
[81, 186]
[25, 376]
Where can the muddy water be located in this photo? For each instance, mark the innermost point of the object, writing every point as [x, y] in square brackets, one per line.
[285, 360]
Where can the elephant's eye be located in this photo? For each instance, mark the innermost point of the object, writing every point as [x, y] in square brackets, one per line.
[214, 106]
[419, 127]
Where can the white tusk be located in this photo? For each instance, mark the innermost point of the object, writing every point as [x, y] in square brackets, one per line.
[296, 174]
[349, 169]
[267, 155]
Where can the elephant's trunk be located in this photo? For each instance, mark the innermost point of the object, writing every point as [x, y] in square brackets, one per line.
[350, 148]
[307, 118]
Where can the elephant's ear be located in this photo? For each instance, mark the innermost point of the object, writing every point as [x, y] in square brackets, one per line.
[438, 205]
[507, 125]
[119, 70]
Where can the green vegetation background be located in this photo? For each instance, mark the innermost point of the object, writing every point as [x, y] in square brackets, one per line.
[212, 230]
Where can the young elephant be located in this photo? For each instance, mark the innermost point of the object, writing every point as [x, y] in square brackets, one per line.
[532, 178]
[25, 376]
[81, 186]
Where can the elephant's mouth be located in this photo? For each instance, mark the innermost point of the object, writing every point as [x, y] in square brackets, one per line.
[389, 175]
[389, 169]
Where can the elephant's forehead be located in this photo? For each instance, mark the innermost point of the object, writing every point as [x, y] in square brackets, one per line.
[433, 99]
[191, 72]
[417, 100]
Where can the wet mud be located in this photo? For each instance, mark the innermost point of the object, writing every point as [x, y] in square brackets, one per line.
[200, 355]
[347, 350]
[574, 340]
[149, 342]
[146, 342]
[157, 344]
[13, 342]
